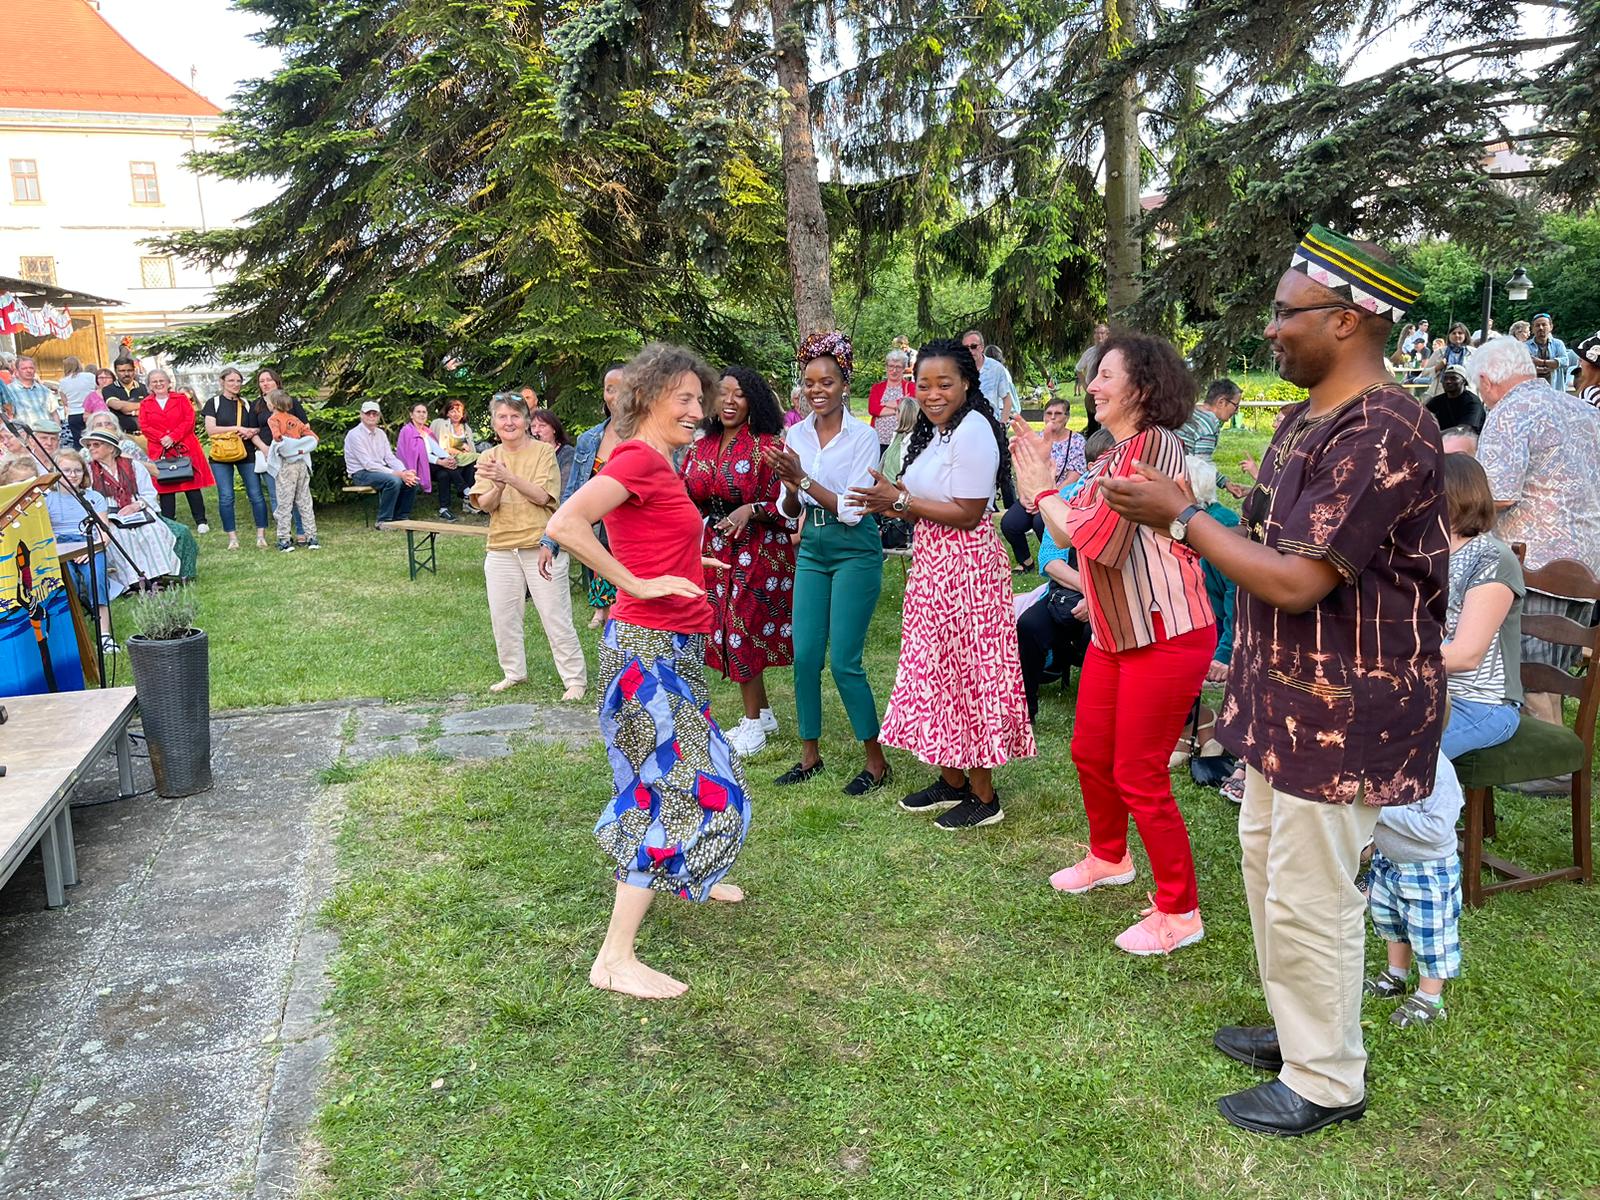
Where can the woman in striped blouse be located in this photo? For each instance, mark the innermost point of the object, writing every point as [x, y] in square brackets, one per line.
[1153, 634]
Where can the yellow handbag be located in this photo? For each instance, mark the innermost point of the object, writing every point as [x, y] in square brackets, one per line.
[227, 447]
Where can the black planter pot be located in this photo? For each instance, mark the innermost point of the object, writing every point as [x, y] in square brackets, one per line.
[173, 680]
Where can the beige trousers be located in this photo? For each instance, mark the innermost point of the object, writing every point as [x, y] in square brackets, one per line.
[511, 576]
[1300, 860]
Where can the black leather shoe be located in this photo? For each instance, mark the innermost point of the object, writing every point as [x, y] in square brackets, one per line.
[798, 773]
[868, 782]
[1275, 1108]
[1253, 1045]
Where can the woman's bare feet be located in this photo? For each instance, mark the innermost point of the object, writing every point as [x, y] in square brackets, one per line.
[598, 619]
[727, 893]
[632, 978]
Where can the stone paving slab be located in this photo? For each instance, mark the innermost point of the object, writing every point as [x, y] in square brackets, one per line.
[164, 1034]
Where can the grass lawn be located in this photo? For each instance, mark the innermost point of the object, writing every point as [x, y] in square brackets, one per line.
[894, 1012]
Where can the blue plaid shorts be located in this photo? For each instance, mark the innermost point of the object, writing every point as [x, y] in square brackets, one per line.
[1420, 904]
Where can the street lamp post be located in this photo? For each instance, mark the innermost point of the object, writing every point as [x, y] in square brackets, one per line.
[1517, 288]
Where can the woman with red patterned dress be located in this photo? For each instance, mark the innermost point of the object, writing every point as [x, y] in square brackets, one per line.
[737, 493]
[958, 702]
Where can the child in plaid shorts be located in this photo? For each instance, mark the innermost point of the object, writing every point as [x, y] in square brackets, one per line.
[1415, 899]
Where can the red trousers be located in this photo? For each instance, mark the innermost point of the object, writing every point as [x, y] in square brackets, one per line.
[1131, 708]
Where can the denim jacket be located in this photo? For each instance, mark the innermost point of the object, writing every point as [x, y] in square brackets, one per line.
[582, 467]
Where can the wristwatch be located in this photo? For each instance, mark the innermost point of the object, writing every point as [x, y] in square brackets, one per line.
[902, 501]
[805, 483]
[1179, 529]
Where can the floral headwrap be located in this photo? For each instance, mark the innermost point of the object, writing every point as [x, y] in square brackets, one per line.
[835, 344]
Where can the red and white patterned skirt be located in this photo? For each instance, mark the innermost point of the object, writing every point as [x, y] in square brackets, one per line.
[958, 699]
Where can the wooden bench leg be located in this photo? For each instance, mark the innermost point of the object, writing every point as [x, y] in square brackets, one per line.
[50, 850]
[65, 848]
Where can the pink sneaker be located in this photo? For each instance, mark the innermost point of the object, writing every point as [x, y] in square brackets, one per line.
[1161, 933]
[1091, 872]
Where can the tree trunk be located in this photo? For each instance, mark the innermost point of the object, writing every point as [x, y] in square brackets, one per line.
[809, 251]
[1123, 243]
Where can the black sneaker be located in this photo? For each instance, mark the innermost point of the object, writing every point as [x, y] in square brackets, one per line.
[973, 813]
[937, 797]
[1385, 986]
[865, 782]
[446, 515]
[798, 773]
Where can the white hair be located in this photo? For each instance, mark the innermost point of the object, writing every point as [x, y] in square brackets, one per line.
[1501, 360]
[161, 371]
[1202, 474]
[898, 356]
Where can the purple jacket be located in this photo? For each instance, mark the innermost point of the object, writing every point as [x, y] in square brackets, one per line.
[411, 448]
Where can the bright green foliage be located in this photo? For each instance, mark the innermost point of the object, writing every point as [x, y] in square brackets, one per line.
[433, 205]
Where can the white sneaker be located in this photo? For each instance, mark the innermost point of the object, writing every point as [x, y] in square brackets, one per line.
[768, 722]
[202, 528]
[748, 738]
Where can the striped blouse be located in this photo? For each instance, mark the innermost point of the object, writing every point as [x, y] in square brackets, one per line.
[1131, 572]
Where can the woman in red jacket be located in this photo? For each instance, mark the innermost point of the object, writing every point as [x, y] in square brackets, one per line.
[166, 418]
[883, 401]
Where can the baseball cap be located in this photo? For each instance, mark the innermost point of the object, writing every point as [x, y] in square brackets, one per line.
[1454, 369]
[1589, 350]
[370, 406]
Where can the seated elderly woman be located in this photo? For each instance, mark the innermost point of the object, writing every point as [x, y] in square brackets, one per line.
[145, 546]
[185, 545]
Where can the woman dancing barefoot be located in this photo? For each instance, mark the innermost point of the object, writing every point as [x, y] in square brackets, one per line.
[680, 812]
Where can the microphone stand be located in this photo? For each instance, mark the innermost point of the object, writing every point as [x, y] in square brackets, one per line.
[92, 522]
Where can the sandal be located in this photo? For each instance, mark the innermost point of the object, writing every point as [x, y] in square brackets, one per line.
[1232, 789]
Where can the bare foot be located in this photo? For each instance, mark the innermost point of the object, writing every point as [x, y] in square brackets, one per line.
[632, 978]
[504, 684]
[726, 892]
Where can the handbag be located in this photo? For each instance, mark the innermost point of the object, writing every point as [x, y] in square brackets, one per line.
[173, 470]
[226, 448]
[1208, 770]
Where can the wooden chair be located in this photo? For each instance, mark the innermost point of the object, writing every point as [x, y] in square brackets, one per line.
[1538, 749]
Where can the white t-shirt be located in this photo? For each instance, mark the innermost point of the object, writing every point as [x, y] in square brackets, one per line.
[963, 466]
[75, 390]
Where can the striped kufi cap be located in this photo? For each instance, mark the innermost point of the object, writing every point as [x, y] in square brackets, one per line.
[1344, 268]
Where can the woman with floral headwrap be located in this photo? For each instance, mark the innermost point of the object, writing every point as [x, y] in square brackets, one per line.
[839, 571]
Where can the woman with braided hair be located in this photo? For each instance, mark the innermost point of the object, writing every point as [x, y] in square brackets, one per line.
[839, 569]
[958, 702]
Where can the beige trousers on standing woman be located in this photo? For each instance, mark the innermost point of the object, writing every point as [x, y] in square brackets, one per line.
[1300, 860]
[512, 575]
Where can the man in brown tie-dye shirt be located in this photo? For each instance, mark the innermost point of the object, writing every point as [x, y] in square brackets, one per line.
[1336, 691]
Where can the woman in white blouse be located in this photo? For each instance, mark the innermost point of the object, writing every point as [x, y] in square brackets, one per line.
[839, 569]
[958, 701]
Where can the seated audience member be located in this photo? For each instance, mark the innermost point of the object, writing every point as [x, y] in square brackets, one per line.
[1456, 405]
[1483, 624]
[1539, 448]
[146, 546]
[1414, 896]
[370, 461]
[1201, 432]
[451, 431]
[426, 458]
[1460, 440]
[1588, 372]
[1066, 458]
[1203, 483]
[67, 522]
[1053, 632]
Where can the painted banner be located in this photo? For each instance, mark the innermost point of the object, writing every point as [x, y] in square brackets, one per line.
[38, 645]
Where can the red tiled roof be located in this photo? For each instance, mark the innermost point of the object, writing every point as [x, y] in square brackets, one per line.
[63, 55]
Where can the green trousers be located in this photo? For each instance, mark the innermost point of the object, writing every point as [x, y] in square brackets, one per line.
[838, 575]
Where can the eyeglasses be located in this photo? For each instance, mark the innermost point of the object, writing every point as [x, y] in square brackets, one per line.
[1281, 312]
